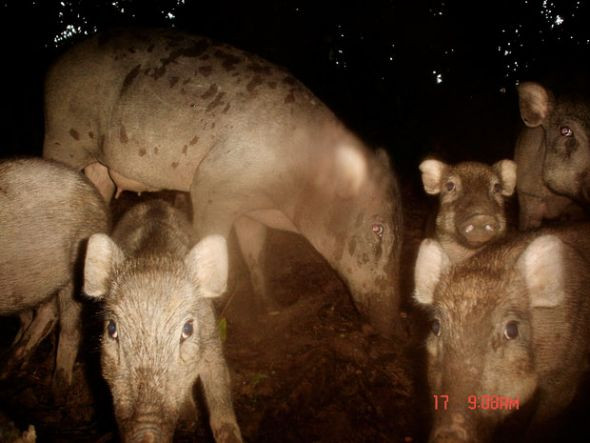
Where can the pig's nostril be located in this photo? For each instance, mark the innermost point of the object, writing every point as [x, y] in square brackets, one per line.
[469, 228]
[489, 228]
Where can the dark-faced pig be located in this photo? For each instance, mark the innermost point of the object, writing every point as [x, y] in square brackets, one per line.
[47, 212]
[535, 200]
[565, 120]
[471, 203]
[160, 333]
[147, 110]
[509, 328]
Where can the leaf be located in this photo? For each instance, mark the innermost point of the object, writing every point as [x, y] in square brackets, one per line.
[257, 378]
[222, 326]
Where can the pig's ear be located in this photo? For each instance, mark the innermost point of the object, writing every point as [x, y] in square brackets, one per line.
[506, 169]
[534, 102]
[542, 266]
[102, 257]
[432, 172]
[207, 263]
[351, 170]
[432, 261]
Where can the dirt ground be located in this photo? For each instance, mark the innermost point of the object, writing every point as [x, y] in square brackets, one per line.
[312, 372]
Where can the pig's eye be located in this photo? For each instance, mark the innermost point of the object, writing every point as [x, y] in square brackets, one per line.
[378, 229]
[450, 186]
[435, 327]
[187, 330]
[566, 131]
[497, 188]
[511, 330]
[112, 330]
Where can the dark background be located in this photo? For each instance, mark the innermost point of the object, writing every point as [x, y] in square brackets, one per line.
[414, 77]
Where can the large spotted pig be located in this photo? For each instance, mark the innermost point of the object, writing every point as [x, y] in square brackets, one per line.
[509, 326]
[47, 212]
[149, 110]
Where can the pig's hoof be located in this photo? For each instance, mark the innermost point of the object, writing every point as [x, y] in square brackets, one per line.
[227, 433]
[13, 365]
[270, 307]
[60, 385]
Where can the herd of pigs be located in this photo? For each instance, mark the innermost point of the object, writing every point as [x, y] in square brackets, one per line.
[153, 110]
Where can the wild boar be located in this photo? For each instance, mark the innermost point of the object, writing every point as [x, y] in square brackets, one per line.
[160, 333]
[535, 200]
[47, 213]
[509, 325]
[564, 120]
[158, 109]
[471, 203]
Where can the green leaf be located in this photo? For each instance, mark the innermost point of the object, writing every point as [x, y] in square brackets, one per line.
[257, 378]
[222, 326]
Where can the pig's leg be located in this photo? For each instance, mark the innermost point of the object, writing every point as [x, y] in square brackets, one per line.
[223, 189]
[531, 211]
[214, 375]
[43, 323]
[69, 337]
[99, 176]
[26, 318]
[251, 236]
[67, 143]
[216, 387]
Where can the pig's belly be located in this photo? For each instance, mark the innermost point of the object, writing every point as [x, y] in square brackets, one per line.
[273, 218]
[139, 169]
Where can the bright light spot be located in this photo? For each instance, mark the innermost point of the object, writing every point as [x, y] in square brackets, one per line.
[558, 20]
[70, 31]
[437, 77]
[116, 5]
[170, 16]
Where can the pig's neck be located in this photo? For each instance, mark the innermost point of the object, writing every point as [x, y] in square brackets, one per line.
[454, 250]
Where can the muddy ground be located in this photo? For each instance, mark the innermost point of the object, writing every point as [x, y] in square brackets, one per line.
[312, 372]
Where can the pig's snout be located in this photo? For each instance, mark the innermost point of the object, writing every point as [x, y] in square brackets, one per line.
[449, 435]
[146, 434]
[149, 430]
[479, 229]
[451, 432]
